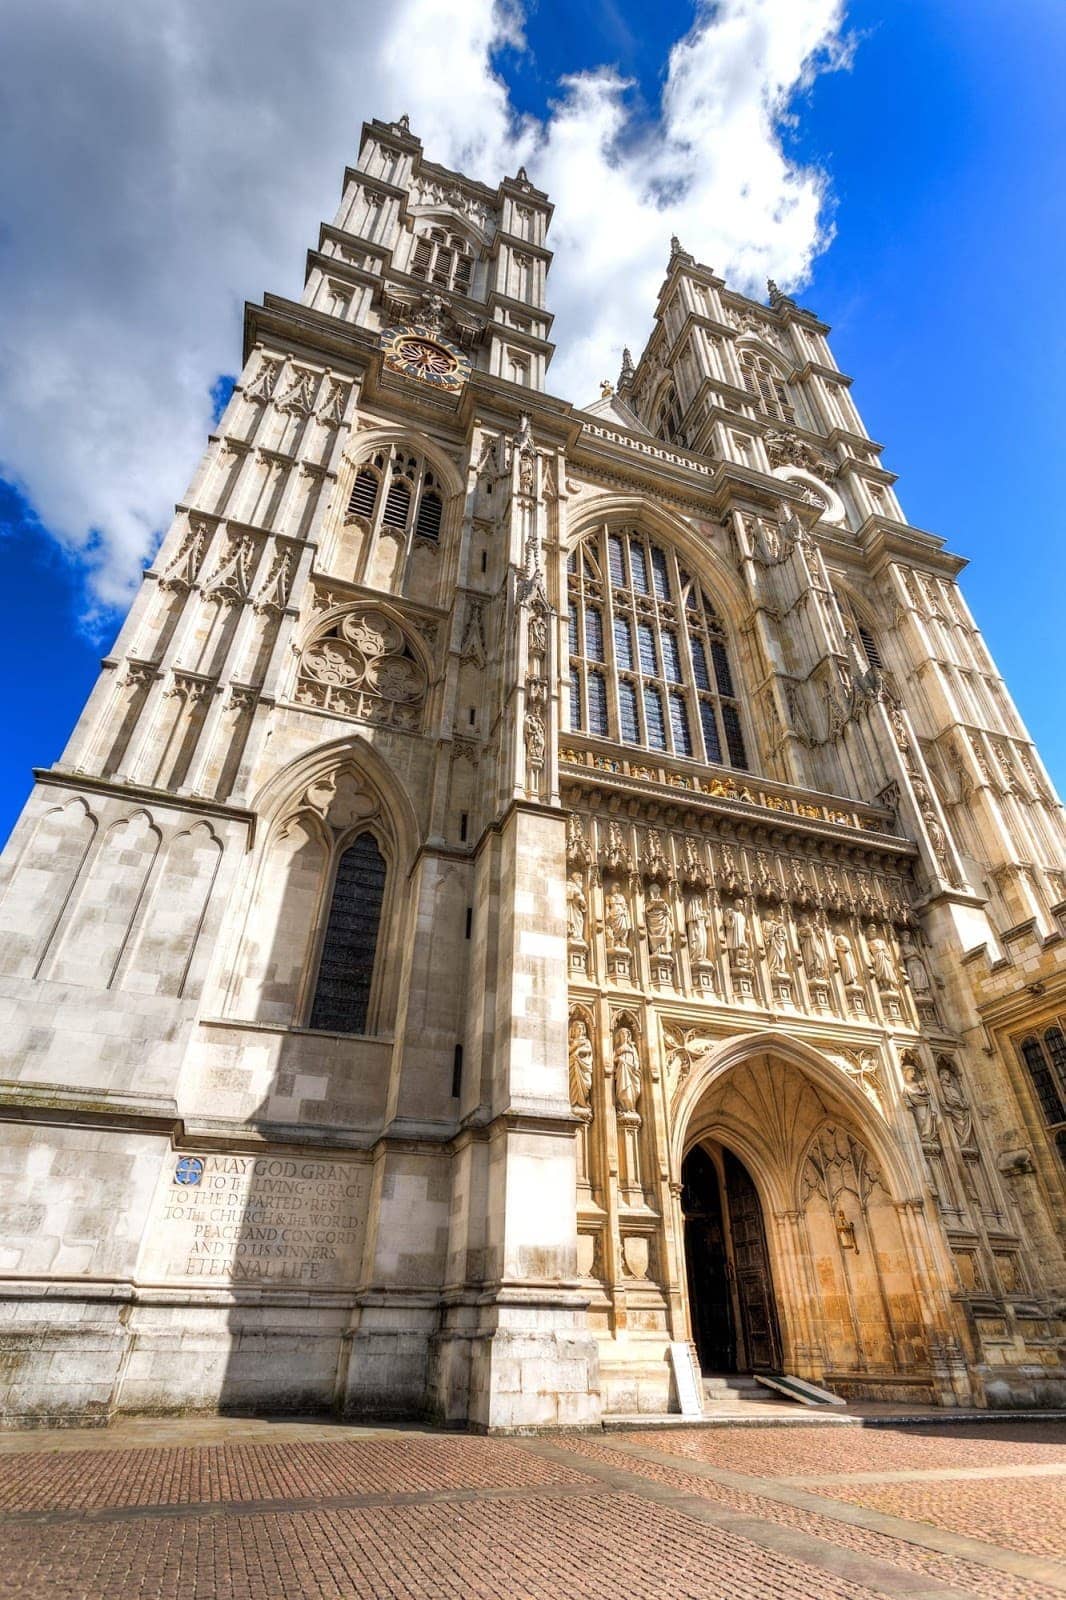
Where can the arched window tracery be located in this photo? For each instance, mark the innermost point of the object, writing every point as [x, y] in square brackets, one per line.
[766, 386]
[343, 984]
[1045, 1060]
[649, 658]
[668, 416]
[398, 491]
[444, 260]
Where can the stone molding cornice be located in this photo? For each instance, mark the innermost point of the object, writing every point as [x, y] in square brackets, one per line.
[838, 821]
[522, 247]
[70, 778]
[882, 540]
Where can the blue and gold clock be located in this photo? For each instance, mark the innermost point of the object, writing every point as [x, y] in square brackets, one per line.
[421, 353]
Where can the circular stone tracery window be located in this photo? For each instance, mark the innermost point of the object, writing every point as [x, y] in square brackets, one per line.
[815, 492]
[363, 667]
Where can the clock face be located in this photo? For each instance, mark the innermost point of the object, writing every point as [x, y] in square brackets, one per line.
[425, 357]
[420, 353]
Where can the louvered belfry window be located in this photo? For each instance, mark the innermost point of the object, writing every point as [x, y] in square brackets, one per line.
[346, 967]
[764, 383]
[649, 658]
[391, 485]
[443, 260]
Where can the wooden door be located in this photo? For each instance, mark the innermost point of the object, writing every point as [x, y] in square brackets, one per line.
[751, 1260]
[709, 1297]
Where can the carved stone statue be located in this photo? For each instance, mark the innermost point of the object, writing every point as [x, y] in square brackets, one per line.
[657, 922]
[777, 952]
[616, 919]
[576, 907]
[920, 1101]
[849, 971]
[627, 1084]
[696, 927]
[737, 935]
[917, 971]
[882, 966]
[812, 950]
[582, 1063]
[535, 739]
[953, 1099]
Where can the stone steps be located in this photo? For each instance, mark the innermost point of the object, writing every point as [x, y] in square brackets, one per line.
[739, 1392]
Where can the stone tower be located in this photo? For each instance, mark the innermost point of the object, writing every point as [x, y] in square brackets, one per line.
[532, 887]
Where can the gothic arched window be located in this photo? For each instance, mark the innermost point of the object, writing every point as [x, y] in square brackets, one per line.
[444, 260]
[649, 662]
[346, 967]
[763, 381]
[411, 486]
[668, 417]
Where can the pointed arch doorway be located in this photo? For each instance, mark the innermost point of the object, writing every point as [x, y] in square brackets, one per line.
[730, 1285]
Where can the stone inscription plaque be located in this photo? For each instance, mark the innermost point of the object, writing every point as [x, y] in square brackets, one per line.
[256, 1219]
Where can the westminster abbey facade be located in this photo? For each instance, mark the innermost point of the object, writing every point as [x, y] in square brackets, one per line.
[532, 887]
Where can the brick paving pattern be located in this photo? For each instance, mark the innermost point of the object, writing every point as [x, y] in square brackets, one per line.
[954, 1571]
[402, 1464]
[393, 1514]
[602, 1548]
[795, 1452]
[1018, 1513]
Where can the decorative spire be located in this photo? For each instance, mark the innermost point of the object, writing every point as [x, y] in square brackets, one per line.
[628, 372]
[777, 298]
[675, 246]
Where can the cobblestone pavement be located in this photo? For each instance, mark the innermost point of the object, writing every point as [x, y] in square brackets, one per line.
[306, 1511]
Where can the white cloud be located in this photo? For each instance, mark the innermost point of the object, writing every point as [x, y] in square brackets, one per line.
[163, 162]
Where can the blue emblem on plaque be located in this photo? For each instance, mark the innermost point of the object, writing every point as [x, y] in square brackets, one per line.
[189, 1170]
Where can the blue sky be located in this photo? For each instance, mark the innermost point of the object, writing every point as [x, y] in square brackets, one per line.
[940, 149]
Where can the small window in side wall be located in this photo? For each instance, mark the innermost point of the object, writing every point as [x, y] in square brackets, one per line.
[346, 968]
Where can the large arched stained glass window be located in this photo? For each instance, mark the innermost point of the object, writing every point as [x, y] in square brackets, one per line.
[648, 658]
[346, 969]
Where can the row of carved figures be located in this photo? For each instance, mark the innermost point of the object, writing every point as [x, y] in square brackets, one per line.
[809, 941]
[820, 878]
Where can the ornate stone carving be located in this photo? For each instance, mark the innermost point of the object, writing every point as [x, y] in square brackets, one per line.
[182, 572]
[576, 923]
[577, 845]
[617, 928]
[228, 585]
[362, 666]
[334, 404]
[616, 856]
[627, 1070]
[299, 397]
[883, 970]
[956, 1106]
[778, 957]
[262, 386]
[472, 645]
[273, 594]
[785, 448]
[736, 926]
[582, 1062]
